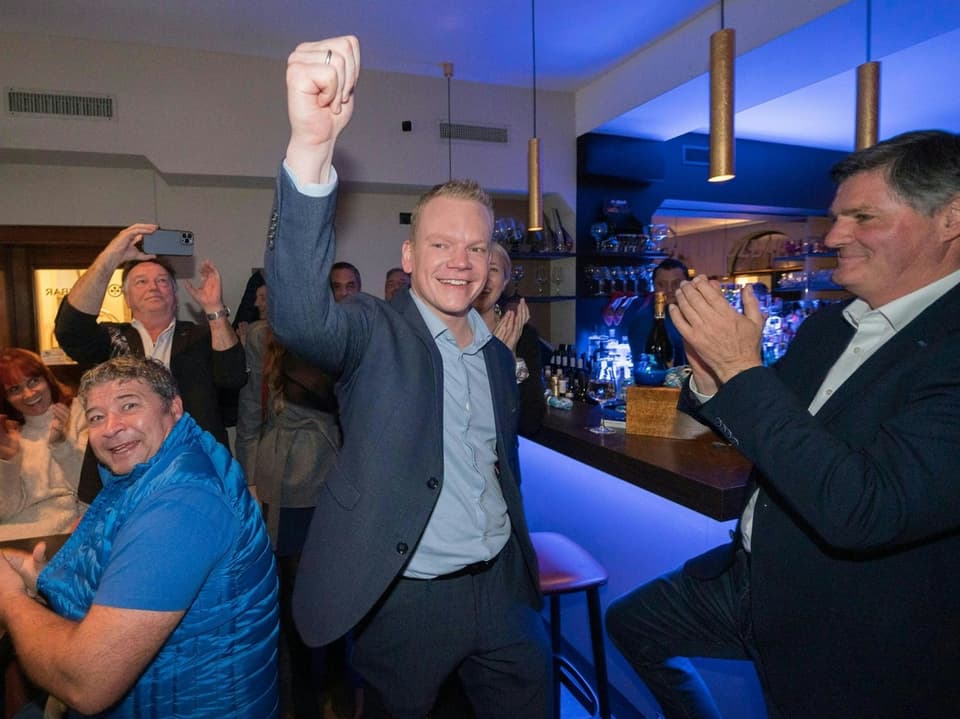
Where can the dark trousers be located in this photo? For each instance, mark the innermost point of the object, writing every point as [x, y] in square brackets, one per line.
[676, 616]
[481, 626]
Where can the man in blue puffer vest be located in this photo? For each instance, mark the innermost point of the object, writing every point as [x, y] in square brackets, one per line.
[165, 598]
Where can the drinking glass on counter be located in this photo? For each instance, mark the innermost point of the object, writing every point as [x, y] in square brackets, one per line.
[603, 391]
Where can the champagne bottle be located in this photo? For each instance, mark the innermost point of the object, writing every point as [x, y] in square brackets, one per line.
[568, 245]
[658, 344]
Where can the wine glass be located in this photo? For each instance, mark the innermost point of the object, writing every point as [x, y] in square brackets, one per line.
[557, 280]
[517, 275]
[541, 277]
[603, 391]
[598, 231]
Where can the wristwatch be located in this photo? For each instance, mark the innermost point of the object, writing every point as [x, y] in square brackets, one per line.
[222, 312]
[522, 371]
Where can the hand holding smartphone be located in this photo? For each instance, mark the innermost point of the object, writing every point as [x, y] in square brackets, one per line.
[168, 242]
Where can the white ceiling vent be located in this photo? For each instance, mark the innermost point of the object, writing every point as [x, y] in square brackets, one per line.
[59, 104]
[476, 133]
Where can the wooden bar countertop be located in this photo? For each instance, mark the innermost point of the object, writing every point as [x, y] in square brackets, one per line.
[703, 474]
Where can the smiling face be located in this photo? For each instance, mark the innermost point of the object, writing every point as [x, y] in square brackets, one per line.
[128, 422]
[885, 248]
[448, 257]
[498, 274]
[30, 396]
[150, 292]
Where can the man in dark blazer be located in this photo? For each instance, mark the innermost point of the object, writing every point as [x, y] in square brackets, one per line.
[666, 278]
[204, 360]
[843, 582]
[419, 537]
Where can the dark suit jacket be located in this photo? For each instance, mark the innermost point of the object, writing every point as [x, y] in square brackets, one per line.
[376, 502]
[855, 569]
[200, 371]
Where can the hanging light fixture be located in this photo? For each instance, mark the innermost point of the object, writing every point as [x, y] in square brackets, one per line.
[448, 73]
[868, 96]
[534, 182]
[722, 51]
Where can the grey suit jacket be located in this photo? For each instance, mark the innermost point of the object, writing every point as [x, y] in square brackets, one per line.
[377, 500]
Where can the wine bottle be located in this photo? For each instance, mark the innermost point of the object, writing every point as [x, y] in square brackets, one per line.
[658, 344]
[568, 245]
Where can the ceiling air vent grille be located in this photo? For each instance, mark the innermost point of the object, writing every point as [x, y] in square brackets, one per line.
[477, 133]
[59, 104]
[693, 155]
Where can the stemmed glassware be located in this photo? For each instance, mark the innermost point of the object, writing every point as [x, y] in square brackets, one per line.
[599, 231]
[541, 278]
[517, 275]
[557, 280]
[603, 391]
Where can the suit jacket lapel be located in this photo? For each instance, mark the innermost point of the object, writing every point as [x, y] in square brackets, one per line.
[496, 379]
[908, 345]
[133, 341]
[403, 303]
[181, 333]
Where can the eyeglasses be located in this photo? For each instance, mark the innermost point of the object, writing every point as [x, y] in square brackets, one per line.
[18, 389]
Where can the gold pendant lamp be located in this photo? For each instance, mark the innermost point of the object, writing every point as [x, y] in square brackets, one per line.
[722, 53]
[868, 97]
[534, 178]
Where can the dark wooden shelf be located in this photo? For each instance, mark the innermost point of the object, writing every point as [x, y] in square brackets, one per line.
[541, 255]
[541, 299]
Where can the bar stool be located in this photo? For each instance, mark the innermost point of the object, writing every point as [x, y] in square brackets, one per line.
[566, 567]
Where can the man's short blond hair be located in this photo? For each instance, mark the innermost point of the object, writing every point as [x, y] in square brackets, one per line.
[455, 190]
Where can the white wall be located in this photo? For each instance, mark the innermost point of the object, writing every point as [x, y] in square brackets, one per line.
[197, 137]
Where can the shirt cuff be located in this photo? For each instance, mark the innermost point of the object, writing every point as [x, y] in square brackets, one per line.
[701, 397]
[312, 189]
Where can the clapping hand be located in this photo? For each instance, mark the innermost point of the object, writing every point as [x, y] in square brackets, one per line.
[510, 325]
[209, 294]
[9, 438]
[59, 422]
[719, 341]
[19, 570]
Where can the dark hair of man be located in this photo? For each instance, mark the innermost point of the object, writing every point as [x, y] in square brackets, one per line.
[126, 368]
[127, 266]
[394, 270]
[456, 190]
[347, 266]
[671, 264]
[922, 167]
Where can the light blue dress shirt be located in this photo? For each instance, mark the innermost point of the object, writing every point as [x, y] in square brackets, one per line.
[470, 521]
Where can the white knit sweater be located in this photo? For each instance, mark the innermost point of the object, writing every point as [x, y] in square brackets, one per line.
[38, 487]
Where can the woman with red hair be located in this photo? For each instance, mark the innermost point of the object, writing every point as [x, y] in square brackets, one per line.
[42, 440]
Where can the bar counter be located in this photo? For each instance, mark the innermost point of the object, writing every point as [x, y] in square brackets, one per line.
[703, 474]
[642, 506]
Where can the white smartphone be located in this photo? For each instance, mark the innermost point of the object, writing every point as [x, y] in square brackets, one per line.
[168, 242]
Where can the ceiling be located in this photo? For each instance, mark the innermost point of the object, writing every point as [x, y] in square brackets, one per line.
[795, 86]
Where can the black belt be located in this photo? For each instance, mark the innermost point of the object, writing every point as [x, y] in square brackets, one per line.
[468, 571]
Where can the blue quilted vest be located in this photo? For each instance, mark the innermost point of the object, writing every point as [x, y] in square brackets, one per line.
[221, 660]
